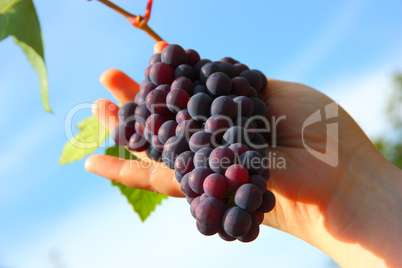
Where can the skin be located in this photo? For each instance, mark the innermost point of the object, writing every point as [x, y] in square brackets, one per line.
[352, 211]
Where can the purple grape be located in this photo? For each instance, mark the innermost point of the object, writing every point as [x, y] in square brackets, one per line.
[197, 177]
[253, 78]
[248, 197]
[235, 134]
[182, 115]
[201, 157]
[156, 102]
[228, 69]
[138, 99]
[210, 212]
[199, 106]
[259, 216]
[258, 181]
[184, 70]
[252, 161]
[153, 154]
[258, 142]
[187, 128]
[200, 64]
[220, 159]
[126, 114]
[148, 135]
[184, 163]
[154, 122]
[200, 89]
[174, 55]
[238, 148]
[164, 87]
[192, 57]
[141, 113]
[183, 83]
[167, 130]
[208, 69]
[245, 106]
[217, 126]
[252, 234]
[229, 60]
[266, 173]
[155, 58]
[240, 86]
[174, 146]
[137, 143]
[145, 89]
[194, 205]
[178, 176]
[223, 105]
[268, 202]
[207, 230]
[185, 188]
[252, 92]
[236, 176]
[139, 128]
[156, 143]
[177, 100]
[225, 236]
[146, 72]
[218, 83]
[236, 222]
[264, 80]
[200, 140]
[260, 108]
[215, 185]
[240, 67]
[161, 73]
[121, 134]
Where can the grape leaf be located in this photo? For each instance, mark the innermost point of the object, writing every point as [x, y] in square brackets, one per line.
[91, 136]
[143, 201]
[18, 18]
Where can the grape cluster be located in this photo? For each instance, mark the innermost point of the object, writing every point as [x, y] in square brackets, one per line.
[205, 120]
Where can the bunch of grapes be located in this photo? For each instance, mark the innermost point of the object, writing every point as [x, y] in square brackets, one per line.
[205, 120]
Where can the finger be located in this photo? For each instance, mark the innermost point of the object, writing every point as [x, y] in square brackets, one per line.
[122, 87]
[164, 181]
[159, 46]
[118, 170]
[107, 113]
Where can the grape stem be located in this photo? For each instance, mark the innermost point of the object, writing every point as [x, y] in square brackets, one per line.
[136, 20]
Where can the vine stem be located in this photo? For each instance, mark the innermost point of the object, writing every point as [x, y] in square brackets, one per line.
[136, 20]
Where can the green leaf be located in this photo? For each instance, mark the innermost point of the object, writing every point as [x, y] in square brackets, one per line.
[143, 201]
[91, 136]
[18, 18]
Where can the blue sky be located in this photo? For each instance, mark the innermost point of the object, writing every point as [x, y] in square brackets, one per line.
[51, 214]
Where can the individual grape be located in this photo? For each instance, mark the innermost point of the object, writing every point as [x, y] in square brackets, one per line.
[258, 142]
[161, 73]
[187, 128]
[215, 185]
[189, 200]
[156, 102]
[207, 230]
[178, 176]
[155, 58]
[126, 114]
[184, 163]
[200, 89]
[148, 135]
[260, 108]
[258, 181]
[167, 130]
[197, 177]
[268, 202]
[194, 205]
[174, 146]
[137, 143]
[246, 123]
[177, 100]
[146, 72]
[236, 176]
[197, 82]
[225, 236]
[199, 140]
[156, 143]
[223, 105]
[236, 222]
[174, 55]
[252, 92]
[185, 188]
[266, 173]
[153, 154]
[252, 161]
[210, 212]
[182, 115]
[240, 86]
[235, 134]
[141, 113]
[201, 157]
[217, 126]
[164, 87]
[228, 69]
[183, 83]
[138, 99]
[154, 122]
[253, 78]
[121, 134]
[199, 106]
[145, 89]
[218, 83]
[229, 60]
[240, 67]
[200, 64]
[245, 106]
[252, 234]
[209, 69]
[259, 216]
[192, 57]
[264, 80]
[139, 128]
[248, 197]
[184, 70]
[220, 159]
[238, 148]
